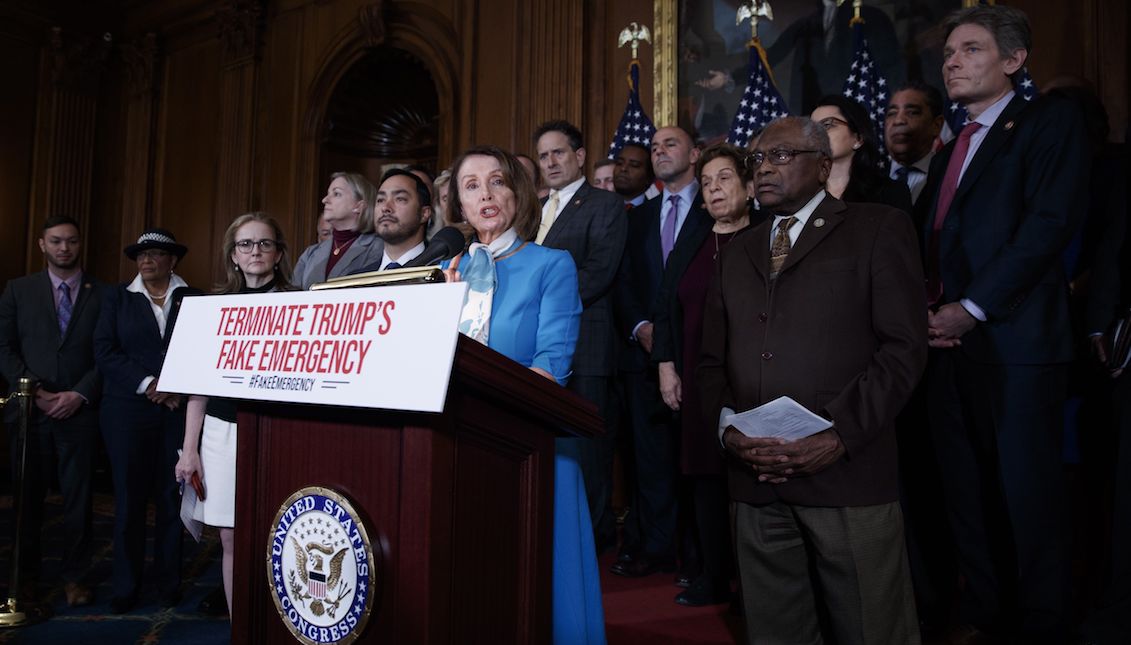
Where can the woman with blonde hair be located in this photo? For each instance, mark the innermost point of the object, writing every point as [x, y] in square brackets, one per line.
[348, 207]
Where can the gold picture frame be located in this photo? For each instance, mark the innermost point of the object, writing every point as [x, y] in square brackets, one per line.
[665, 31]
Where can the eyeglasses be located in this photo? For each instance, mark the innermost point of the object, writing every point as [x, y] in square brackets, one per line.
[152, 254]
[831, 122]
[246, 246]
[779, 157]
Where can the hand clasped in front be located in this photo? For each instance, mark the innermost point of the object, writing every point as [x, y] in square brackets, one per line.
[776, 461]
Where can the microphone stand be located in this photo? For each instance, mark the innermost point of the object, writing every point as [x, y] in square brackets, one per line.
[15, 612]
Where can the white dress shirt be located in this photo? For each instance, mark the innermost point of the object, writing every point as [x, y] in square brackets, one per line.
[160, 313]
[405, 257]
[564, 196]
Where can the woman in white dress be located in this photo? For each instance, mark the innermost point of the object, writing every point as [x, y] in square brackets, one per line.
[255, 261]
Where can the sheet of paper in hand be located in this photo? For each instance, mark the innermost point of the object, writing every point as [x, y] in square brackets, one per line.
[782, 418]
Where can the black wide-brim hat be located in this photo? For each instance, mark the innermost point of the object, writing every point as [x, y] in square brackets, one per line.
[156, 238]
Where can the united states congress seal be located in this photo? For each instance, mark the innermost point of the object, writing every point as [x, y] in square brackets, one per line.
[320, 567]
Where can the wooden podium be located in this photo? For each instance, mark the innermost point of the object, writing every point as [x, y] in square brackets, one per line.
[458, 505]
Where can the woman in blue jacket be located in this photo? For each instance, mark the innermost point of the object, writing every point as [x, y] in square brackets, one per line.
[523, 302]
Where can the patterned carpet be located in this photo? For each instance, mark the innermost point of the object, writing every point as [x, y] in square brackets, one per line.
[148, 623]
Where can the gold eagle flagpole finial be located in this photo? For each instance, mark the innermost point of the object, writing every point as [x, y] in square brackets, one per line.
[633, 34]
[752, 11]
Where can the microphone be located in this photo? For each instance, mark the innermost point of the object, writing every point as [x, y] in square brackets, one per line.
[446, 243]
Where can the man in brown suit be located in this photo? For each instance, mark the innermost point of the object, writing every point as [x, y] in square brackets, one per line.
[821, 303]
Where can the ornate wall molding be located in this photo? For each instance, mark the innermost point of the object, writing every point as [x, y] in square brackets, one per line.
[371, 20]
[71, 70]
[140, 59]
[77, 61]
[242, 25]
[241, 30]
[419, 29]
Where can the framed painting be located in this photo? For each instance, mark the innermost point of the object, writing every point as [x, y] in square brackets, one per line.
[701, 54]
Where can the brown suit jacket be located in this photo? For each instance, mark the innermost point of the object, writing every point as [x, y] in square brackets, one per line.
[843, 332]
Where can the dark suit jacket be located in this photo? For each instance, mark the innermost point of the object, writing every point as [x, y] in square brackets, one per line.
[592, 228]
[642, 271]
[1019, 203]
[886, 191]
[667, 315]
[1109, 291]
[127, 343]
[843, 332]
[31, 345]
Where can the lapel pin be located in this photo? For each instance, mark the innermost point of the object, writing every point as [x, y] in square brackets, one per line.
[1008, 126]
[819, 222]
[577, 202]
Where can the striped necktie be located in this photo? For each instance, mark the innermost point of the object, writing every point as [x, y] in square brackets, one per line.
[780, 250]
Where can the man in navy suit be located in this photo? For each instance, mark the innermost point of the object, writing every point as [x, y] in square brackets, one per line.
[47, 322]
[1003, 200]
[589, 223]
[655, 228]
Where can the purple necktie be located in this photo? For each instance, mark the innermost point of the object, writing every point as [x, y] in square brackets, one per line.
[667, 233]
[65, 307]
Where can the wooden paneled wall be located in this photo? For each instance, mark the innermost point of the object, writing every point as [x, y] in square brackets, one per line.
[194, 111]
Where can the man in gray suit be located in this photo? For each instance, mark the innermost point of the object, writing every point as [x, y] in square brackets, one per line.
[47, 322]
[590, 224]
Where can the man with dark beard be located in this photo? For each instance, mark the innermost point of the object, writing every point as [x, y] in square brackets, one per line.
[400, 217]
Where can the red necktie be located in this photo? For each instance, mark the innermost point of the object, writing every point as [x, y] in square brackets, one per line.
[946, 197]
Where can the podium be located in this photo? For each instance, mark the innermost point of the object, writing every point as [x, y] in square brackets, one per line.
[458, 505]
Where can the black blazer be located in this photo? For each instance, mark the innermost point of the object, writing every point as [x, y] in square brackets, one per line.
[127, 344]
[1019, 203]
[667, 315]
[642, 271]
[885, 191]
[31, 345]
[592, 229]
[1109, 291]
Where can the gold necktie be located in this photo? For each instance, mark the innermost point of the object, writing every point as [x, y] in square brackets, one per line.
[548, 218]
[780, 250]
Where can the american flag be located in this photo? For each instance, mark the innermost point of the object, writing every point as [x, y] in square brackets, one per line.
[956, 114]
[635, 126]
[761, 102]
[865, 84]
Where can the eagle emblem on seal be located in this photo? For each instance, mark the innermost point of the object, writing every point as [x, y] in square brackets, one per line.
[313, 582]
